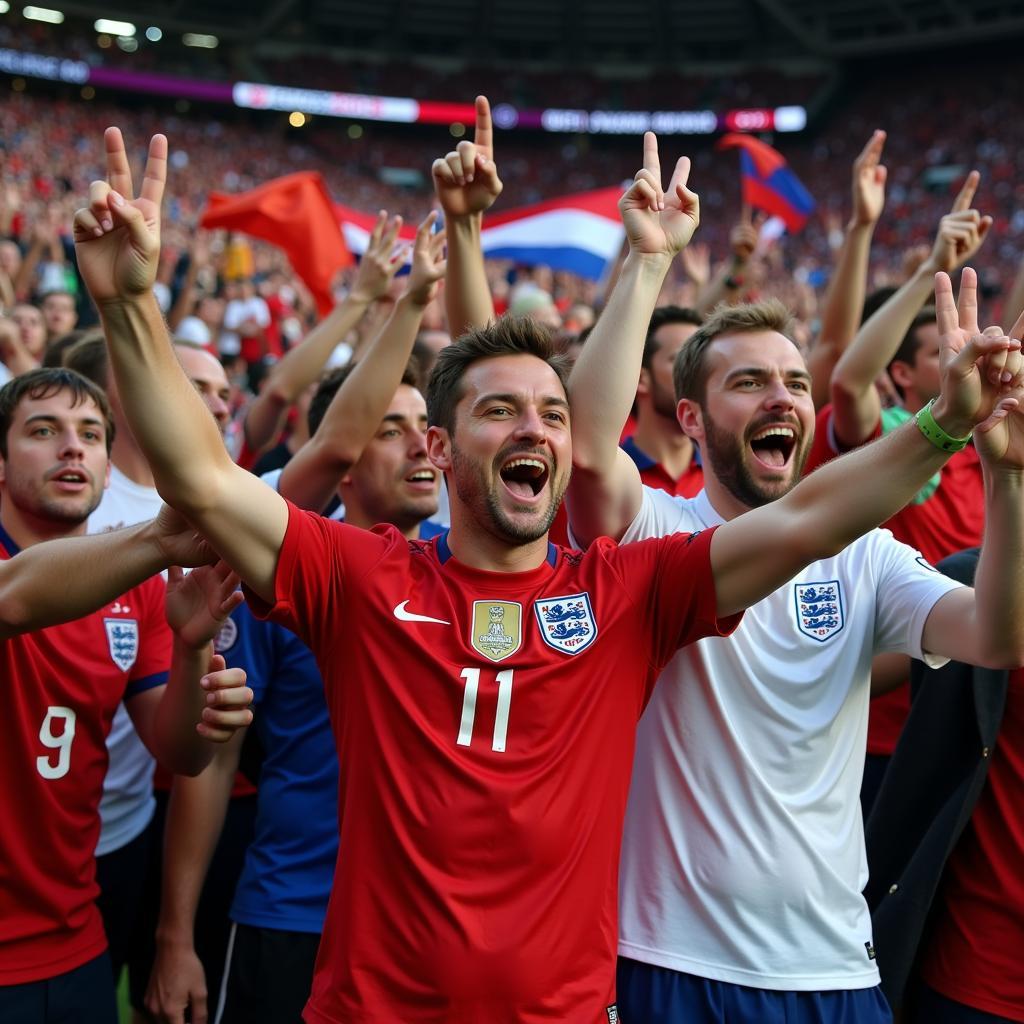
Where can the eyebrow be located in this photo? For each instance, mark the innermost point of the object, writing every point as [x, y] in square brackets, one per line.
[42, 417]
[515, 399]
[760, 371]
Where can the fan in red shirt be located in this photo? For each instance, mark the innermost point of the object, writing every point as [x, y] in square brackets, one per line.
[483, 687]
[63, 684]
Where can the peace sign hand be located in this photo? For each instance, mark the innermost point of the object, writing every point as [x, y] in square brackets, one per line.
[117, 236]
[659, 223]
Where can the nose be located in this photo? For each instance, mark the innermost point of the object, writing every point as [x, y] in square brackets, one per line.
[530, 426]
[219, 408]
[778, 396]
[71, 446]
[417, 443]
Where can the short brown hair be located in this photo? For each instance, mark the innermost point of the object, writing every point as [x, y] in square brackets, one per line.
[44, 383]
[507, 336]
[88, 356]
[690, 373]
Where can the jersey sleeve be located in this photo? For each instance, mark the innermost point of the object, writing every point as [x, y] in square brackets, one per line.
[908, 587]
[321, 566]
[153, 661]
[659, 515]
[672, 585]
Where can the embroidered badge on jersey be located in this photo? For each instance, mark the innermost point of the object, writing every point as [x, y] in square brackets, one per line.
[226, 636]
[497, 628]
[123, 641]
[819, 609]
[566, 623]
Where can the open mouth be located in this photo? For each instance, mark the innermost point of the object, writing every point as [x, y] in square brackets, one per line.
[72, 477]
[525, 476]
[774, 446]
[422, 478]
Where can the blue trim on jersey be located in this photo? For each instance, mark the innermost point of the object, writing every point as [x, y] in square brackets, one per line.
[643, 460]
[7, 541]
[659, 995]
[444, 552]
[137, 686]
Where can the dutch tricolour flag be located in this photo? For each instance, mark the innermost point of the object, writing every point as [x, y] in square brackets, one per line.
[580, 233]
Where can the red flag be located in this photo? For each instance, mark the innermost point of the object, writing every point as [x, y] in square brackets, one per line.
[296, 214]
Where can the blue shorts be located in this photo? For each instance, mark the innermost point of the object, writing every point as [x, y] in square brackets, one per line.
[657, 995]
[82, 996]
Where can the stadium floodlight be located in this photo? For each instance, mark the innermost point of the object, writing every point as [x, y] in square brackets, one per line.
[296, 119]
[200, 39]
[4, 6]
[114, 28]
[154, 34]
[46, 14]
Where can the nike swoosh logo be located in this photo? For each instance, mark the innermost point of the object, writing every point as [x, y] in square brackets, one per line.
[403, 616]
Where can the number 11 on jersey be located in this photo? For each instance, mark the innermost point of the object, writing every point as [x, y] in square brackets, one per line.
[472, 677]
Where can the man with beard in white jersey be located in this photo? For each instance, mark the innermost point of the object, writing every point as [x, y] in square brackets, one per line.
[743, 856]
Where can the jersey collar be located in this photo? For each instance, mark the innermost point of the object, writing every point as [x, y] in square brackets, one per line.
[7, 541]
[444, 552]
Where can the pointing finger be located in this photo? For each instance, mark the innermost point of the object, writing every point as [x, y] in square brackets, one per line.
[966, 193]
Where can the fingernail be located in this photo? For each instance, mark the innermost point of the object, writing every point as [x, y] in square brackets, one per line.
[204, 682]
[97, 231]
[116, 198]
[107, 223]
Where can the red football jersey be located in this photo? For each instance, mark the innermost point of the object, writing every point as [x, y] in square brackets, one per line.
[978, 936]
[61, 687]
[485, 726]
[951, 519]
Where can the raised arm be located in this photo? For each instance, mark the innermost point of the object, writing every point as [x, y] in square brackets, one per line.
[466, 182]
[117, 239]
[302, 365]
[727, 283]
[605, 491]
[844, 300]
[311, 478]
[856, 405]
[756, 553]
[62, 580]
[985, 626]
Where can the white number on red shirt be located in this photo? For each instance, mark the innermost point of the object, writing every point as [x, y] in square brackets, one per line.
[61, 742]
[504, 681]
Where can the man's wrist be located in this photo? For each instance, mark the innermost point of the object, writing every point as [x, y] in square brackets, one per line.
[653, 265]
[945, 430]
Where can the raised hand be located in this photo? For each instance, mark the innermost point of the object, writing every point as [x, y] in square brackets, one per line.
[659, 223]
[869, 177]
[428, 262]
[179, 541]
[1000, 439]
[979, 370]
[961, 231]
[696, 260]
[117, 237]
[381, 260]
[744, 236]
[228, 702]
[198, 604]
[466, 180]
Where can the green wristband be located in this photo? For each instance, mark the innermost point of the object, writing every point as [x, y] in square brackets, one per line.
[946, 442]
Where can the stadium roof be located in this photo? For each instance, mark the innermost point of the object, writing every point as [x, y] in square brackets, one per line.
[662, 33]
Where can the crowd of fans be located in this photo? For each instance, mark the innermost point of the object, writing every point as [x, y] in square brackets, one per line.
[895, 207]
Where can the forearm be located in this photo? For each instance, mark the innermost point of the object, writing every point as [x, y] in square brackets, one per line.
[844, 303]
[879, 339]
[195, 818]
[311, 477]
[603, 382]
[177, 745]
[185, 297]
[999, 581]
[1014, 304]
[168, 417]
[467, 295]
[27, 271]
[62, 580]
[828, 510]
